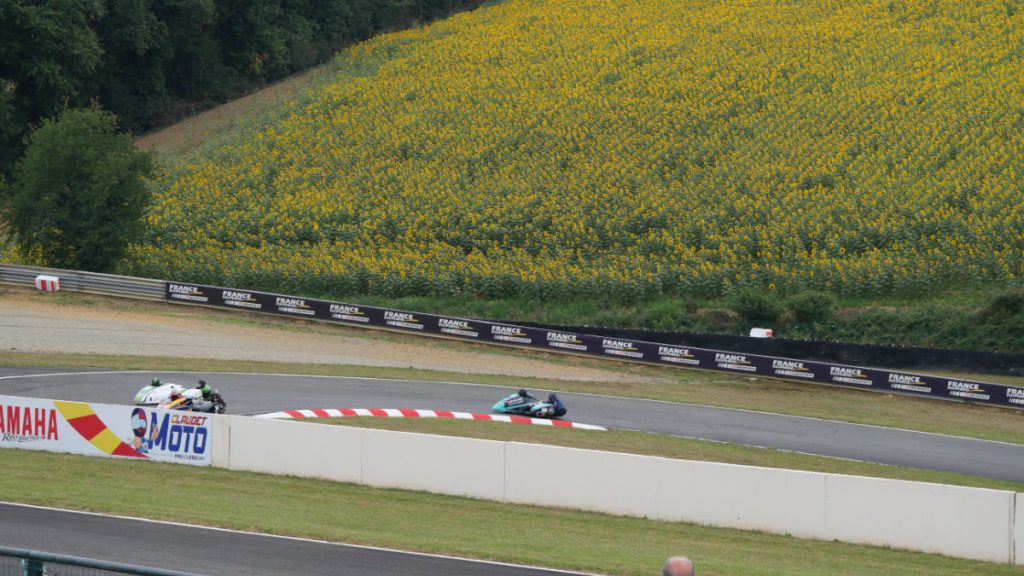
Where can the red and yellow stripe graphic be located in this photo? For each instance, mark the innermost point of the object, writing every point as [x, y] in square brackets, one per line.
[84, 420]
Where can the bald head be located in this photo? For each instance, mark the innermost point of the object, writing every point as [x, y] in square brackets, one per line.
[677, 566]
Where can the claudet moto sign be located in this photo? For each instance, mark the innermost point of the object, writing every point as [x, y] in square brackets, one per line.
[102, 430]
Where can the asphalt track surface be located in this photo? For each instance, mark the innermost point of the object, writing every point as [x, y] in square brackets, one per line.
[257, 393]
[220, 552]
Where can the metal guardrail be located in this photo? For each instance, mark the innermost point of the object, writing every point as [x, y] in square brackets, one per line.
[91, 282]
[19, 562]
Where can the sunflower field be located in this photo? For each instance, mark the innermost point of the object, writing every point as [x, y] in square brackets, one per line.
[626, 149]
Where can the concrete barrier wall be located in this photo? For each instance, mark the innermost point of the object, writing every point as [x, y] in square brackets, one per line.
[441, 464]
[774, 500]
[950, 520]
[383, 458]
[956, 521]
[1018, 530]
[220, 445]
[283, 447]
[768, 499]
[582, 479]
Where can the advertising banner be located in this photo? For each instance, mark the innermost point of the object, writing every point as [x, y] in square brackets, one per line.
[102, 430]
[592, 345]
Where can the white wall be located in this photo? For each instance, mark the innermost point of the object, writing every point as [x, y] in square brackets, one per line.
[768, 499]
[297, 449]
[950, 520]
[442, 464]
[664, 489]
[581, 479]
[956, 521]
[1018, 531]
[383, 458]
[220, 443]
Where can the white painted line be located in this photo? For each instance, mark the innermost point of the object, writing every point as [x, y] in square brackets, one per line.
[297, 539]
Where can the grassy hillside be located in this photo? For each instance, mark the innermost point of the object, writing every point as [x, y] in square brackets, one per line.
[627, 149]
[555, 157]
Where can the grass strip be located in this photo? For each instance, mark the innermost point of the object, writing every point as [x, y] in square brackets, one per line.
[462, 527]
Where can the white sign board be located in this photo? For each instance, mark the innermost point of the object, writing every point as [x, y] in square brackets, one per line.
[101, 430]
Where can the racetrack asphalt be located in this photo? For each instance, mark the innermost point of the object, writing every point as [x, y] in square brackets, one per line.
[217, 552]
[259, 393]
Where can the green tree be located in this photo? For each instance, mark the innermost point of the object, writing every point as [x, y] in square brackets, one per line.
[130, 80]
[10, 129]
[79, 191]
[48, 54]
[755, 305]
[195, 71]
[811, 306]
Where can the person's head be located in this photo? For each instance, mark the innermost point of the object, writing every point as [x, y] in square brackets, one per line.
[155, 382]
[677, 566]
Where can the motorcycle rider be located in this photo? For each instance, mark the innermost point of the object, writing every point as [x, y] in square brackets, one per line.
[206, 403]
[206, 390]
[203, 387]
[524, 397]
[212, 401]
[559, 407]
[520, 398]
[175, 396]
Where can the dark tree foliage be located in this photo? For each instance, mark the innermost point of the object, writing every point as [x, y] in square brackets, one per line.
[755, 305]
[10, 129]
[194, 71]
[79, 195]
[131, 80]
[153, 61]
[49, 52]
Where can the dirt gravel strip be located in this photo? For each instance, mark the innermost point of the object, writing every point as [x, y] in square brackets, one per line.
[34, 322]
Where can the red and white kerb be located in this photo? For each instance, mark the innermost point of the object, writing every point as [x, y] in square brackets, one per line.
[416, 413]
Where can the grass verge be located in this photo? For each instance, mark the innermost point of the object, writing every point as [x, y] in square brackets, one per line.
[461, 527]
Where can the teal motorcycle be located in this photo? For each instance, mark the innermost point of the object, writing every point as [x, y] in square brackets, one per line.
[523, 403]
